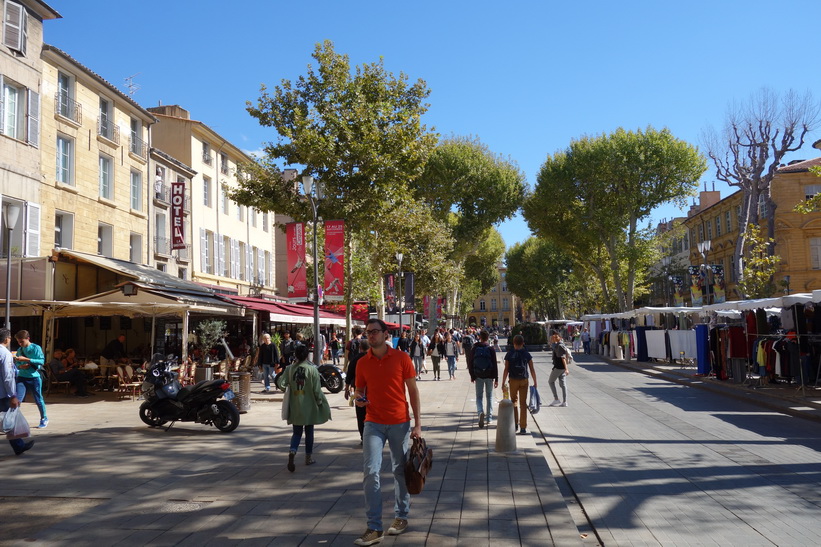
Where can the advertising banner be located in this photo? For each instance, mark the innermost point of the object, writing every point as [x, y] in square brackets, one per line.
[334, 259]
[678, 291]
[295, 245]
[695, 285]
[391, 304]
[719, 295]
[177, 214]
[410, 293]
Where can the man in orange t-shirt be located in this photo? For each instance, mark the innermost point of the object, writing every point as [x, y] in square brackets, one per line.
[383, 375]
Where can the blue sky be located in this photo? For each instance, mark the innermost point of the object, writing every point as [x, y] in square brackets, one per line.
[526, 77]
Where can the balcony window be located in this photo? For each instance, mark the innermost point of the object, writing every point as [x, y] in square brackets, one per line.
[815, 253]
[136, 145]
[65, 104]
[728, 218]
[135, 248]
[224, 164]
[105, 239]
[105, 122]
[718, 225]
[136, 190]
[159, 184]
[206, 191]
[63, 230]
[206, 153]
[106, 178]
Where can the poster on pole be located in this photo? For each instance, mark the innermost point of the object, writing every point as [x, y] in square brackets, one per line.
[391, 304]
[719, 295]
[409, 305]
[295, 243]
[178, 214]
[695, 285]
[334, 260]
[678, 291]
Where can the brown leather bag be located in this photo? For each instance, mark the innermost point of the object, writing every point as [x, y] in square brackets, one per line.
[419, 461]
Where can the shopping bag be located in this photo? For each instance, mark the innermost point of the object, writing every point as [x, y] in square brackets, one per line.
[286, 404]
[535, 400]
[419, 461]
[15, 425]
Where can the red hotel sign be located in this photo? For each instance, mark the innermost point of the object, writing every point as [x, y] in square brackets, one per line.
[177, 214]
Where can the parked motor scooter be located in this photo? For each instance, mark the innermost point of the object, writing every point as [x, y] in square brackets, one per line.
[330, 377]
[207, 402]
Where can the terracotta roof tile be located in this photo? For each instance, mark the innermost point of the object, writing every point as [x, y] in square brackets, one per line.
[800, 166]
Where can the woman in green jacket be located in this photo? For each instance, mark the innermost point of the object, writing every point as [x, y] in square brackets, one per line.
[307, 405]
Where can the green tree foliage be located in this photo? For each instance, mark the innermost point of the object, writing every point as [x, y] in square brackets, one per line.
[538, 272]
[759, 265]
[533, 333]
[359, 133]
[600, 188]
[813, 204]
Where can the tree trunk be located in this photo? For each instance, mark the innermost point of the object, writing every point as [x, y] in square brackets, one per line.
[612, 251]
[348, 278]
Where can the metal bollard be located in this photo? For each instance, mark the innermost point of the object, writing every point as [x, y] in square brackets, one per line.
[505, 426]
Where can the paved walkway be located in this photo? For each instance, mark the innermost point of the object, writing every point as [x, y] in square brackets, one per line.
[98, 476]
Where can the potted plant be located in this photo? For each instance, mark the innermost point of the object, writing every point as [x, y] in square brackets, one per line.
[210, 332]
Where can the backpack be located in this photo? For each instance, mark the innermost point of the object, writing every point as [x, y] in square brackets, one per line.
[467, 343]
[354, 348]
[482, 361]
[518, 366]
[568, 354]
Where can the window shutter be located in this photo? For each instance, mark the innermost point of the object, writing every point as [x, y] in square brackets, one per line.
[249, 264]
[234, 259]
[271, 280]
[221, 256]
[24, 26]
[33, 119]
[260, 266]
[2, 97]
[203, 251]
[32, 243]
[14, 18]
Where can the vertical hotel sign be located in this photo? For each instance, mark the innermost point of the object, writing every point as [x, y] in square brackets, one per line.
[178, 214]
[334, 259]
[295, 242]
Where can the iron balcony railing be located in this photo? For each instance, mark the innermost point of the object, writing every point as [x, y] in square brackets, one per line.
[108, 130]
[137, 147]
[163, 195]
[162, 246]
[68, 108]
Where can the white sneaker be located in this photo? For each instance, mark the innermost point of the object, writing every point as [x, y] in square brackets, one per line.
[563, 404]
[555, 402]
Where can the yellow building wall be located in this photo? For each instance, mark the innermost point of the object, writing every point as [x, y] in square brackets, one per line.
[793, 231]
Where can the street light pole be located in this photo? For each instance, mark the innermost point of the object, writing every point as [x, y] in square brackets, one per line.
[307, 187]
[10, 215]
[399, 290]
[704, 249]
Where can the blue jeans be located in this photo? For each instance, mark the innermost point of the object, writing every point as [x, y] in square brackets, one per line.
[297, 436]
[452, 365]
[397, 436]
[484, 388]
[35, 385]
[16, 444]
[418, 363]
[268, 372]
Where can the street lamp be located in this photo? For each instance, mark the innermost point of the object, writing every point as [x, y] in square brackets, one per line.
[308, 187]
[665, 271]
[704, 249]
[399, 290]
[10, 215]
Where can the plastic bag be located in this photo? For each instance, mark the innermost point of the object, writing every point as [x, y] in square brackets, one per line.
[15, 425]
[535, 400]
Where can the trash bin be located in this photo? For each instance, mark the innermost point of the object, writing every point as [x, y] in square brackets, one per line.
[203, 373]
[241, 385]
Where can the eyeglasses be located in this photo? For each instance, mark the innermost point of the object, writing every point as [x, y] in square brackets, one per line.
[373, 331]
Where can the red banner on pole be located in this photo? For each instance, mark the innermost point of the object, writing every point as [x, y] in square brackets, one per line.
[178, 214]
[334, 259]
[295, 243]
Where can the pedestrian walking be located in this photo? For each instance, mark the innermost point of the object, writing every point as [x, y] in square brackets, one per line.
[586, 341]
[29, 360]
[517, 363]
[350, 384]
[385, 384]
[334, 345]
[307, 405]
[484, 373]
[435, 351]
[496, 347]
[267, 357]
[8, 387]
[560, 370]
[417, 353]
[451, 354]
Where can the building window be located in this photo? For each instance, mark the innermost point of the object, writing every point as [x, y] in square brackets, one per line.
[135, 251]
[106, 178]
[137, 145]
[225, 269]
[136, 190]
[243, 262]
[504, 286]
[19, 112]
[206, 191]
[815, 253]
[728, 218]
[105, 239]
[208, 251]
[505, 304]
[718, 225]
[492, 304]
[241, 213]
[182, 273]
[106, 127]
[224, 164]
[65, 160]
[65, 96]
[738, 218]
[811, 189]
[709, 230]
[252, 215]
[685, 241]
[63, 230]
[162, 245]
[162, 266]
[763, 210]
[226, 203]
[265, 221]
[482, 306]
[15, 26]
[206, 153]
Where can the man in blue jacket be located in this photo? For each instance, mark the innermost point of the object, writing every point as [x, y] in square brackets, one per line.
[30, 359]
[8, 387]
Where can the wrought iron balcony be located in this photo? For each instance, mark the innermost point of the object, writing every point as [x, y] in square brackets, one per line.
[184, 254]
[108, 130]
[207, 158]
[162, 246]
[137, 147]
[68, 108]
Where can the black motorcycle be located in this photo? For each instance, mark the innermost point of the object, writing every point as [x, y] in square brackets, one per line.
[207, 402]
[330, 377]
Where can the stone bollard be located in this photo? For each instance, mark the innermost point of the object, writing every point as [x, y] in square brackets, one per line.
[505, 426]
